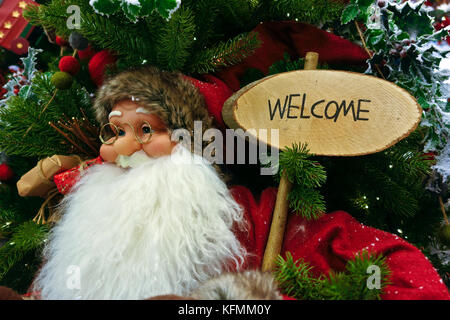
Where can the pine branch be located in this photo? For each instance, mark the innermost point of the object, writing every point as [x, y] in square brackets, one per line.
[296, 280]
[308, 203]
[309, 11]
[300, 170]
[28, 237]
[176, 40]
[25, 128]
[395, 198]
[224, 54]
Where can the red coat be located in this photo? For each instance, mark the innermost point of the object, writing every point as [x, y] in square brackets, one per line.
[327, 243]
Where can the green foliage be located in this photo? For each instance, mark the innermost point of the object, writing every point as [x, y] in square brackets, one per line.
[23, 247]
[176, 39]
[225, 53]
[136, 9]
[357, 9]
[295, 279]
[296, 164]
[25, 129]
[200, 37]
[399, 36]
[386, 189]
[309, 11]
[305, 175]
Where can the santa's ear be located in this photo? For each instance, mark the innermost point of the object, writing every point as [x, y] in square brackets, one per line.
[246, 285]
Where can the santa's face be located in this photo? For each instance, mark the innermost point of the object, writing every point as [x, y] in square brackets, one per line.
[137, 129]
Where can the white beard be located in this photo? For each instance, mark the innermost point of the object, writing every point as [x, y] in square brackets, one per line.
[162, 227]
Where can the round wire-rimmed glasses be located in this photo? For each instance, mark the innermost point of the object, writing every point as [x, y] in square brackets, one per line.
[110, 130]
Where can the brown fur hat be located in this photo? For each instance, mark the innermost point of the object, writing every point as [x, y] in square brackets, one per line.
[169, 95]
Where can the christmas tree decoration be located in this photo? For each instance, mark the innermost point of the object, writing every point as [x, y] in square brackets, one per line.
[69, 64]
[444, 234]
[60, 41]
[136, 9]
[77, 41]
[62, 80]
[86, 54]
[98, 65]
[39, 181]
[6, 172]
[158, 96]
[14, 29]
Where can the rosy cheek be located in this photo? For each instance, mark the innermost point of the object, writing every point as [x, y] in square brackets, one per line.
[107, 153]
[160, 145]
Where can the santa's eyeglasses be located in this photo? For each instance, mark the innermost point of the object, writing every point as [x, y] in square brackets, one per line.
[109, 132]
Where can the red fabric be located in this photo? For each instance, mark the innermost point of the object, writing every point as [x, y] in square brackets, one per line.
[98, 64]
[329, 242]
[215, 92]
[66, 180]
[296, 39]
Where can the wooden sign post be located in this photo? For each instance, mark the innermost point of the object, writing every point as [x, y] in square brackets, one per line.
[336, 113]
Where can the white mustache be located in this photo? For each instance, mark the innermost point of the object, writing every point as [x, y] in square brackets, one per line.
[133, 161]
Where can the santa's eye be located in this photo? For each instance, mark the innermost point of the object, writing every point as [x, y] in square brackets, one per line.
[146, 129]
[121, 133]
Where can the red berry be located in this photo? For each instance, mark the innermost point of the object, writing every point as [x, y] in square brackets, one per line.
[69, 64]
[86, 54]
[437, 26]
[16, 91]
[5, 172]
[403, 53]
[381, 3]
[61, 42]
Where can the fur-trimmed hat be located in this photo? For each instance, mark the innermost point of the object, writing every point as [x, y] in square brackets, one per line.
[169, 95]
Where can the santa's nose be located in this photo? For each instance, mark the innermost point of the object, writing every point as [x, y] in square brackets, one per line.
[127, 145]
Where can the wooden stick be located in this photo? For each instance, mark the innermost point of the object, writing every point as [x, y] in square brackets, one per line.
[275, 241]
[441, 203]
[361, 36]
[277, 228]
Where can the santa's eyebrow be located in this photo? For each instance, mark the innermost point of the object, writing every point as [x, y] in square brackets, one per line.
[142, 110]
[115, 113]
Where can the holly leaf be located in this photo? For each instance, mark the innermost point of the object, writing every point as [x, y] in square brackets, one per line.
[166, 7]
[131, 9]
[105, 6]
[374, 36]
[29, 63]
[147, 6]
[349, 13]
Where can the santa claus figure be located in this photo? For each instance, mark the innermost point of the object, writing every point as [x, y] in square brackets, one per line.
[156, 219]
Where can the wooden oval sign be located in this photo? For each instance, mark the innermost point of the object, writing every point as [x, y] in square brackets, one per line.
[337, 113]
